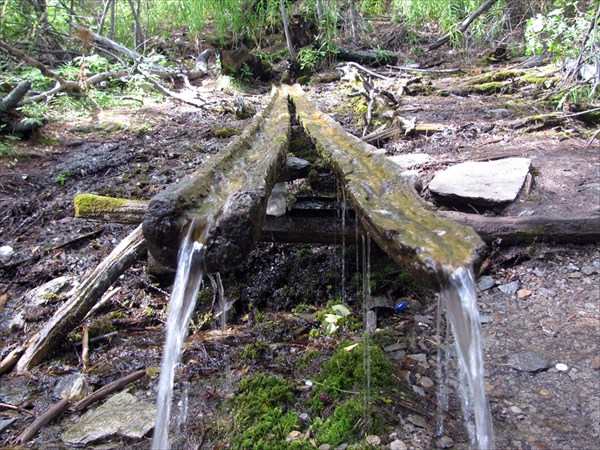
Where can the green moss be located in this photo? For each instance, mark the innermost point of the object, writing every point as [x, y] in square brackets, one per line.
[345, 369]
[260, 415]
[87, 203]
[225, 133]
[502, 75]
[493, 87]
[341, 426]
[344, 382]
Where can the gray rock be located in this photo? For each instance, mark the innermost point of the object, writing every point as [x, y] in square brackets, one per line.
[588, 270]
[444, 442]
[417, 420]
[484, 283]
[510, 288]
[398, 445]
[408, 160]
[5, 423]
[72, 387]
[373, 439]
[528, 362]
[294, 168]
[122, 414]
[276, 205]
[481, 183]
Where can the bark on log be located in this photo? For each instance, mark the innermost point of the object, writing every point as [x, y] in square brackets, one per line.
[14, 96]
[528, 229]
[226, 197]
[72, 312]
[386, 204]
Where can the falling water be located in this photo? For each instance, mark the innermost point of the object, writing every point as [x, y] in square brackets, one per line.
[460, 300]
[344, 247]
[366, 256]
[190, 270]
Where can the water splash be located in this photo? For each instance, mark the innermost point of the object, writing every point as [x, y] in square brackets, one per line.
[188, 279]
[460, 300]
[366, 255]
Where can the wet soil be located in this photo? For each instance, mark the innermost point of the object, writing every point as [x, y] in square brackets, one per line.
[136, 152]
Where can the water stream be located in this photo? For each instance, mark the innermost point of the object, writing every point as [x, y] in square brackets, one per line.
[188, 279]
[459, 298]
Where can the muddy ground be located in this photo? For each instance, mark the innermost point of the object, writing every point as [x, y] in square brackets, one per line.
[135, 152]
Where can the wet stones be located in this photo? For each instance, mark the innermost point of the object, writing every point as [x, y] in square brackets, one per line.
[528, 362]
[122, 415]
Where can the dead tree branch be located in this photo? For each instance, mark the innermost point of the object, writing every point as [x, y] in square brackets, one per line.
[463, 25]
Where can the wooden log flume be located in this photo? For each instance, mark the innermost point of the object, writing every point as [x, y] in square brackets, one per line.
[399, 221]
[227, 197]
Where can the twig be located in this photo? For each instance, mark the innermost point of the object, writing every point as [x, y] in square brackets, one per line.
[589, 143]
[108, 389]
[367, 71]
[54, 411]
[415, 69]
[16, 408]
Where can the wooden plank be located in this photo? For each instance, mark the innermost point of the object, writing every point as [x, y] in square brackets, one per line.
[399, 221]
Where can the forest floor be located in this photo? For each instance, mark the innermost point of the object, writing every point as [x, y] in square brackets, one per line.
[135, 152]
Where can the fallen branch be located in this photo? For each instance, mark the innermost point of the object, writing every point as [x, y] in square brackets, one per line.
[108, 389]
[54, 411]
[464, 24]
[72, 312]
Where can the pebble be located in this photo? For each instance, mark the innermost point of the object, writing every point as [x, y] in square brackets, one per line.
[324, 447]
[398, 445]
[485, 282]
[426, 382]
[373, 440]
[516, 410]
[510, 288]
[6, 250]
[528, 362]
[418, 390]
[396, 347]
[588, 270]
[522, 294]
[444, 442]
[561, 367]
[417, 420]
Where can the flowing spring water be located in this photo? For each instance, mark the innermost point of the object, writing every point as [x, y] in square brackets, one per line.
[188, 279]
[460, 301]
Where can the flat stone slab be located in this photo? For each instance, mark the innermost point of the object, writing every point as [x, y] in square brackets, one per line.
[122, 414]
[486, 183]
[408, 160]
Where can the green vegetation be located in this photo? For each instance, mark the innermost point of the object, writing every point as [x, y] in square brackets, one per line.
[265, 409]
[260, 411]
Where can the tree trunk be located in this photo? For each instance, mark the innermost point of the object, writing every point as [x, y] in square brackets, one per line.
[286, 29]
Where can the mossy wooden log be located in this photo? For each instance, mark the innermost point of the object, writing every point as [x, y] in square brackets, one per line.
[386, 204]
[227, 197]
[109, 209]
